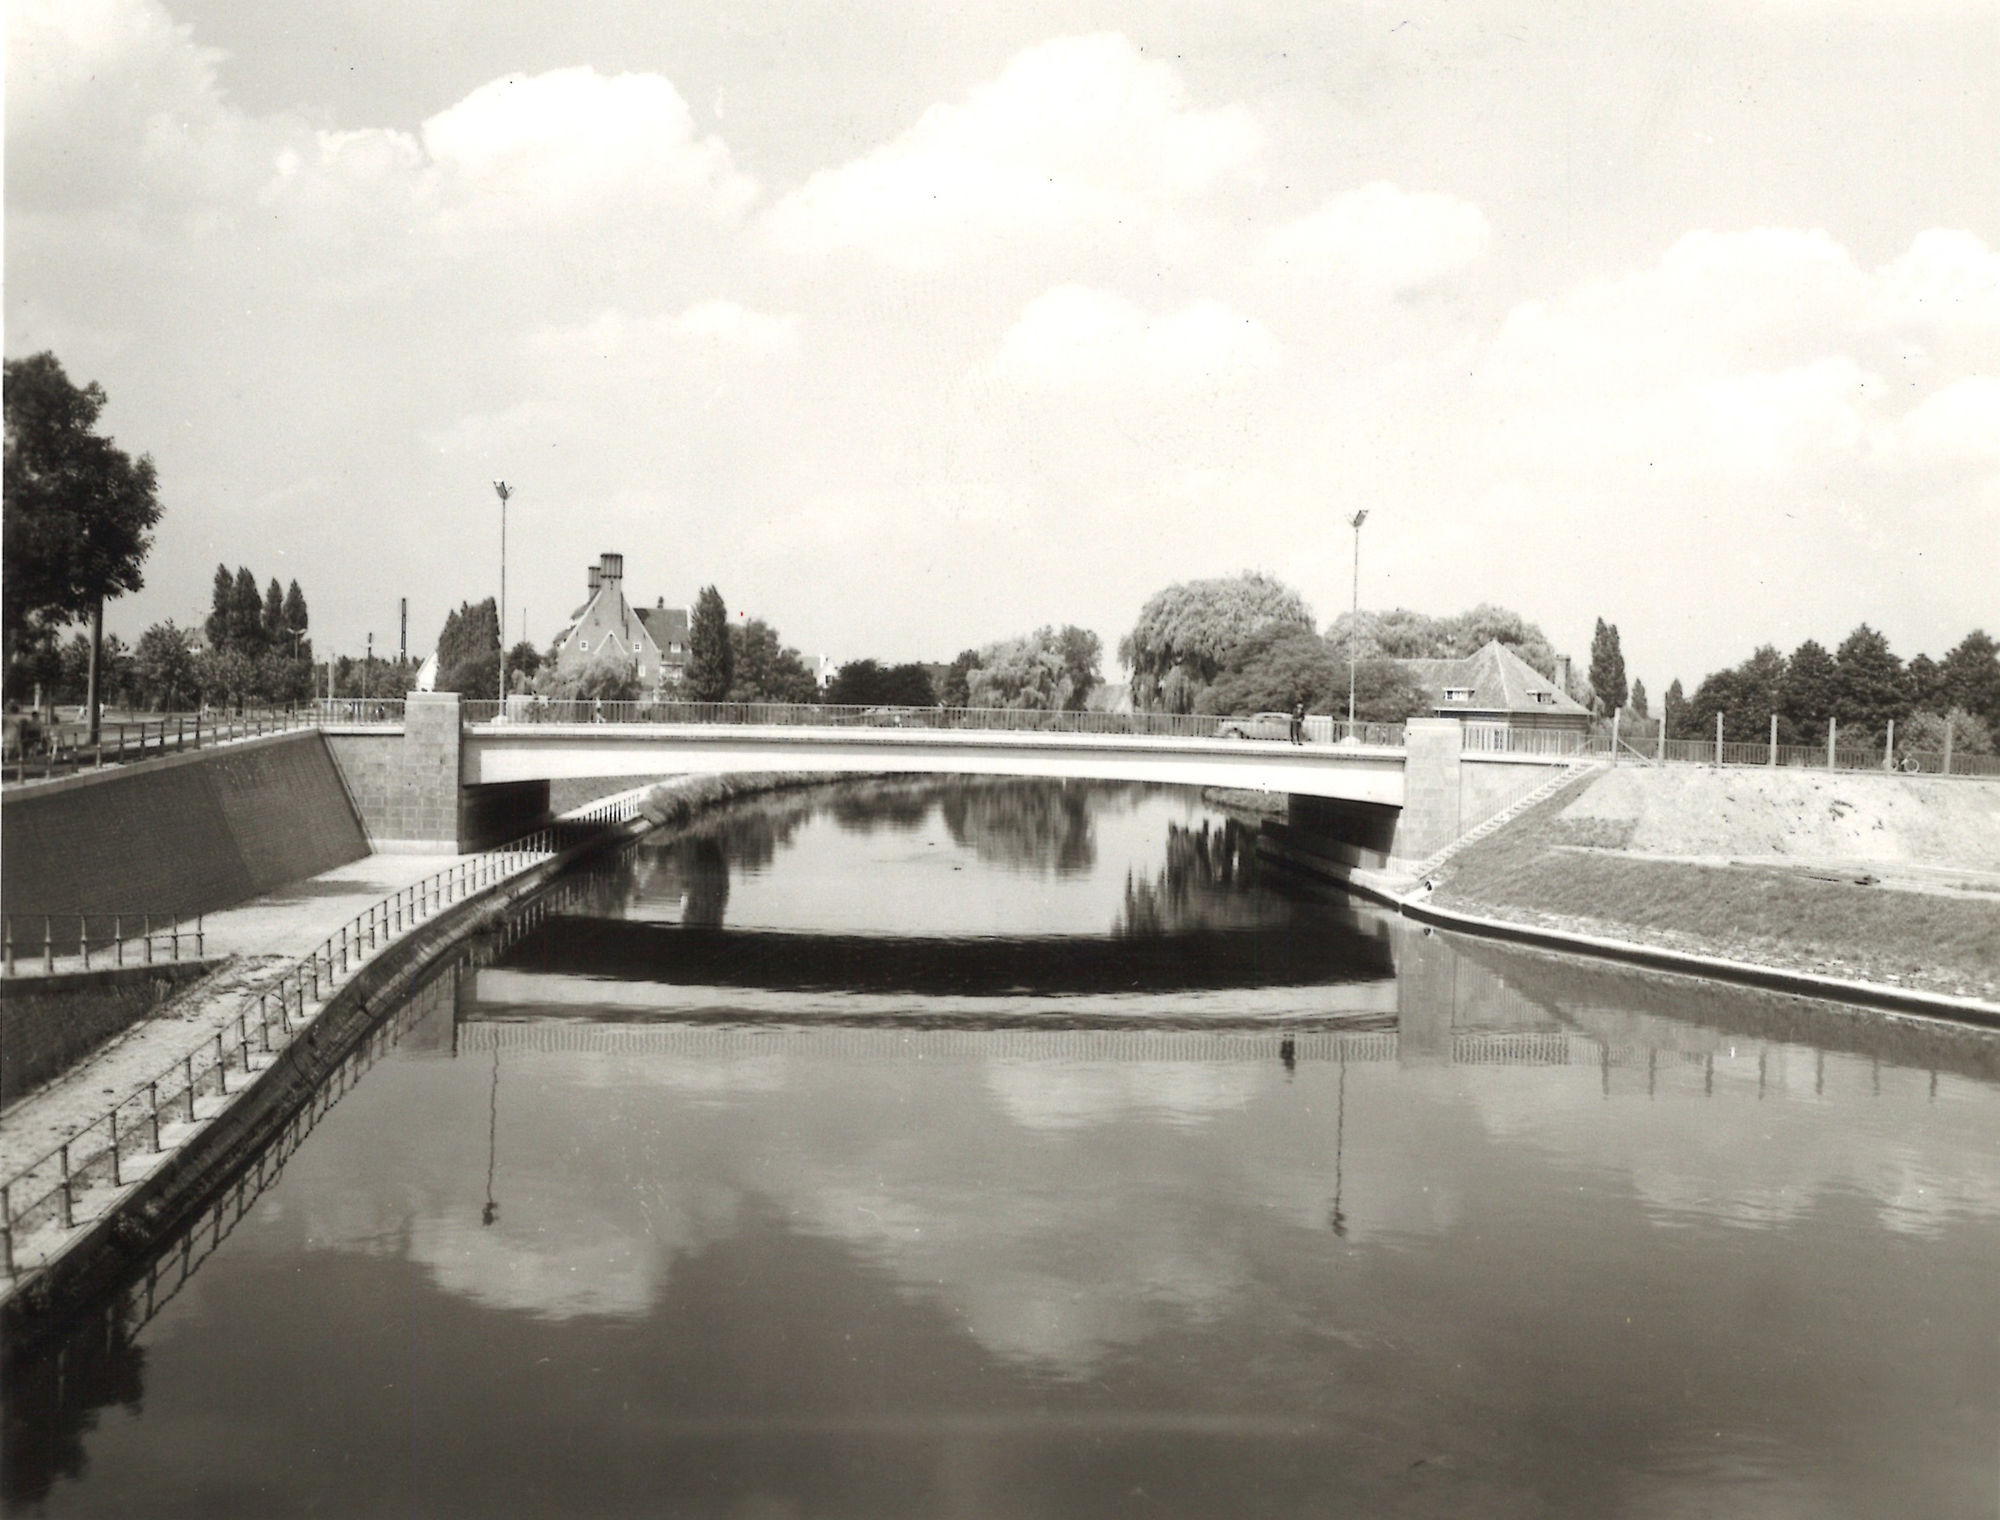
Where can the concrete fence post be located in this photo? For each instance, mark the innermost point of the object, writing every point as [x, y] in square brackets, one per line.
[1773, 759]
[1947, 744]
[1832, 737]
[1614, 737]
[1889, 748]
[1718, 738]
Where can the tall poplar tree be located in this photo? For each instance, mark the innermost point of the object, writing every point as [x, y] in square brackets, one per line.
[1607, 667]
[711, 667]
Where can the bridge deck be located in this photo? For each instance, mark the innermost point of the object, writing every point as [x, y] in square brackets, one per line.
[497, 752]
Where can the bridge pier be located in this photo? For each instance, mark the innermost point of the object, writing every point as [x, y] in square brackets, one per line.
[409, 789]
[1446, 791]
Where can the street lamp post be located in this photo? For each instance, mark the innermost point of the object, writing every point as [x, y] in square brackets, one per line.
[1354, 623]
[501, 489]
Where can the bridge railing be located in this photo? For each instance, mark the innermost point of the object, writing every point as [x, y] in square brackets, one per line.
[534, 710]
[360, 711]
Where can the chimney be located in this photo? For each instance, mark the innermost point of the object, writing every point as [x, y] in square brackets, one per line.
[591, 575]
[1562, 675]
[611, 569]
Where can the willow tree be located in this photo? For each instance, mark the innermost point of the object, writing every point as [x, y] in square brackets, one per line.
[1185, 634]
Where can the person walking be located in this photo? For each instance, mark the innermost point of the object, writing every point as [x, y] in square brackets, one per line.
[1299, 721]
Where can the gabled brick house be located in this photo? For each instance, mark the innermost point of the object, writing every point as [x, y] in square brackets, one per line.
[607, 625]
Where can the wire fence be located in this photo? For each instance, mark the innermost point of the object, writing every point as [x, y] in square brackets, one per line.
[41, 1202]
[67, 941]
[1494, 738]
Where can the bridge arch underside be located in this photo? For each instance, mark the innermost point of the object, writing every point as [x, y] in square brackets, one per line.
[585, 751]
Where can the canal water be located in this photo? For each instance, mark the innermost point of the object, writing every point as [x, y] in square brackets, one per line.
[999, 1149]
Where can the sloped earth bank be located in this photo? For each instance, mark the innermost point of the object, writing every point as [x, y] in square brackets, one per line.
[1889, 879]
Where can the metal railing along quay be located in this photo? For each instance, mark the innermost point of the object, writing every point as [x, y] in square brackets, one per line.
[126, 1140]
[161, 937]
[43, 756]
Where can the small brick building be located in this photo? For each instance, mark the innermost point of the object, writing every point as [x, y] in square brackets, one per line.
[1497, 686]
[607, 625]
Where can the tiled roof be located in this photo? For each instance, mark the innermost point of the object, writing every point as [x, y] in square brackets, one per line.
[1499, 680]
[665, 624]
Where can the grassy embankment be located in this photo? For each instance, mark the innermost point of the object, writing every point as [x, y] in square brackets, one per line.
[1568, 874]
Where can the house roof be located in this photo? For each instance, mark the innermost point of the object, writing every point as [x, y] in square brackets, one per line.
[665, 624]
[1499, 680]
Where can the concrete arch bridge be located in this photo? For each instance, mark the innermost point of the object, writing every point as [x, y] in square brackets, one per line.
[434, 772]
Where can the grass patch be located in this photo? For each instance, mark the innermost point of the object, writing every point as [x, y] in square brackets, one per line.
[1772, 917]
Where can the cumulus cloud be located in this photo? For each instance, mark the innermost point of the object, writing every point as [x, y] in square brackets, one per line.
[1760, 353]
[716, 328]
[1078, 132]
[1074, 338]
[1381, 239]
[542, 143]
[112, 100]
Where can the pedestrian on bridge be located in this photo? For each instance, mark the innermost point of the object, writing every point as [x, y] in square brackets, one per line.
[1299, 721]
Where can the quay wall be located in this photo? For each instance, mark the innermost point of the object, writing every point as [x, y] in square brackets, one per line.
[181, 835]
[49, 1023]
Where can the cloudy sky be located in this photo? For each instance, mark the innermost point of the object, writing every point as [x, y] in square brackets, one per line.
[915, 325]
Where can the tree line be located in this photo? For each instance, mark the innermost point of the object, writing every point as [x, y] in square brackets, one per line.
[1863, 685]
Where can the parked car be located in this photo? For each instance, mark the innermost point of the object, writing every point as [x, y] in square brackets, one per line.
[1263, 725]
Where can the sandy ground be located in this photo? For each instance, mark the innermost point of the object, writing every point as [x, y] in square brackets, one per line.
[1823, 820]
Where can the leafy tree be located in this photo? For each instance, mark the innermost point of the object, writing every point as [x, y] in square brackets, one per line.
[867, 683]
[858, 683]
[1049, 668]
[1868, 682]
[1811, 688]
[607, 676]
[525, 660]
[79, 511]
[468, 651]
[1746, 696]
[711, 658]
[1922, 682]
[1186, 632]
[1607, 667]
[1674, 711]
[1023, 672]
[957, 691]
[1081, 652]
[226, 676]
[1969, 677]
[764, 669]
[164, 669]
[1639, 699]
[1405, 635]
[282, 678]
[1923, 734]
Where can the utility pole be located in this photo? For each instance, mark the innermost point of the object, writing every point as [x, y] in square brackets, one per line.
[368, 665]
[403, 647]
[500, 489]
[1354, 622]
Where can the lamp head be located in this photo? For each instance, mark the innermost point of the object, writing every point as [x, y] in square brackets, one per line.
[502, 490]
[1358, 519]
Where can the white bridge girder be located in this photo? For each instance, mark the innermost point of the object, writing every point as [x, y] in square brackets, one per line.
[499, 752]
